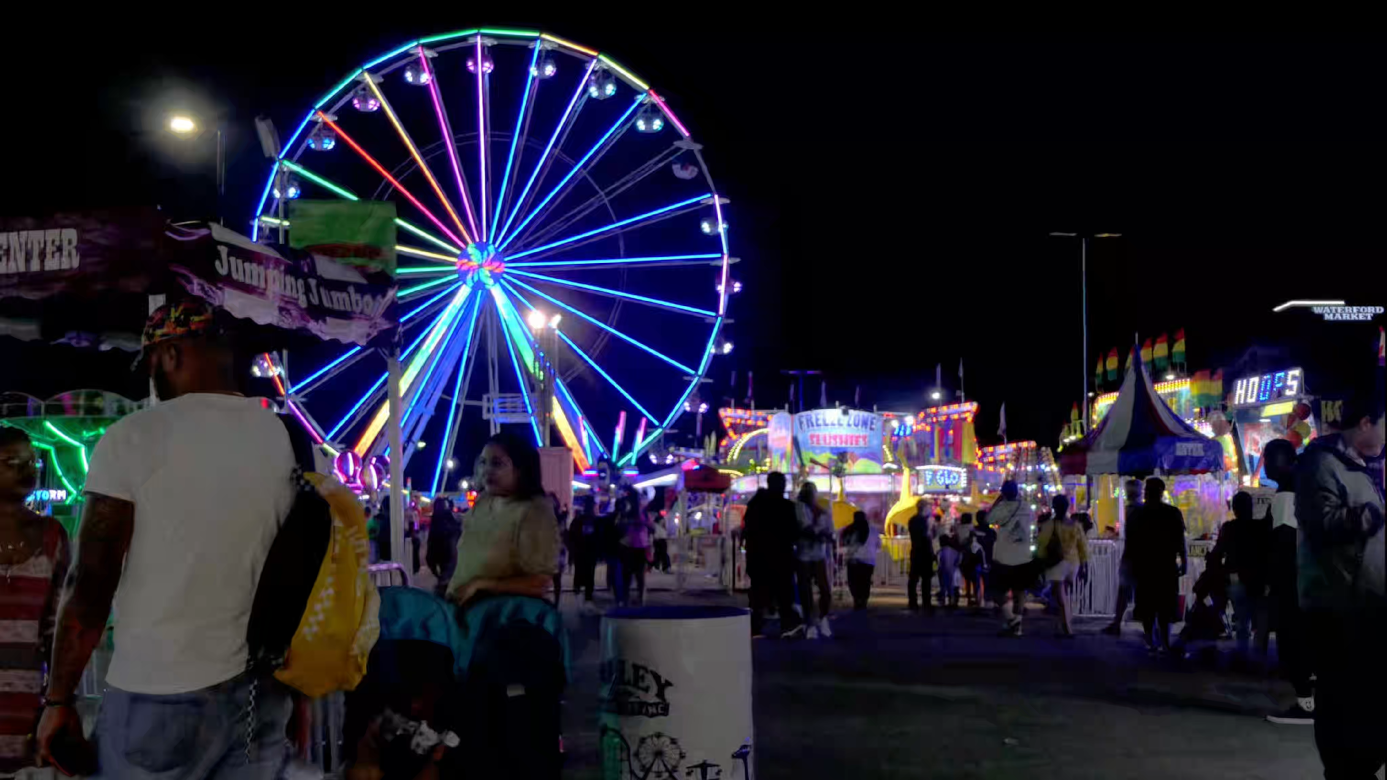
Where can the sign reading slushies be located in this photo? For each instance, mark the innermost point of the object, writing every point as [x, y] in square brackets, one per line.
[824, 434]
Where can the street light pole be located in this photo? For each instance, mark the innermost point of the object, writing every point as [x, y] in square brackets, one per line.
[1083, 299]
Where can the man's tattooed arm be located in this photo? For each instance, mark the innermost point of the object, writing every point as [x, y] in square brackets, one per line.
[89, 589]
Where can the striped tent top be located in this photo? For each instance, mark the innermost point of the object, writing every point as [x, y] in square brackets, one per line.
[28, 608]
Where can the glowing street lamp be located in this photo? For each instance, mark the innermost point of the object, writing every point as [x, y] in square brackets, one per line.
[182, 124]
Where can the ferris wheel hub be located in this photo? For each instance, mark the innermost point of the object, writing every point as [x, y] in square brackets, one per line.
[480, 263]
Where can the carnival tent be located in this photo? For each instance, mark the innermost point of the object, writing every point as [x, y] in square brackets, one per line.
[1140, 435]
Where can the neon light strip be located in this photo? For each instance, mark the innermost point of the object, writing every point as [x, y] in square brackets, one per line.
[612, 226]
[722, 234]
[474, 305]
[445, 451]
[516, 327]
[575, 445]
[444, 324]
[424, 286]
[447, 130]
[297, 132]
[481, 133]
[612, 261]
[509, 31]
[631, 77]
[616, 437]
[517, 332]
[605, 327]
[616, 293]
[427, 304]
[414, 252]
[414, 152]
[343, 83]
[568, 44]
[580, 353]
[425, 269]
[524, 390]
[539, 164]
[420, 233]
[515, 137]
[449, 36]
[659, 101]
[304, 421]
[264, 195]
[53, 458]
[381, 380]
[275, 221]
[320, 181]
[383, 58]
[330, 366]
[274, 375]
[578, 166]
[393, 181]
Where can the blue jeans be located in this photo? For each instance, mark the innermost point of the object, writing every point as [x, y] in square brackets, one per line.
[199, 734]
[1245, 605]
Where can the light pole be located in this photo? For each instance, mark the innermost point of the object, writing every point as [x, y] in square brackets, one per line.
[546, 330]
[187, 126]
[1083, 293]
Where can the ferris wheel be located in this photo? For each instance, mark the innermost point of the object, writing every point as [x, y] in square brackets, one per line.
[554, 215]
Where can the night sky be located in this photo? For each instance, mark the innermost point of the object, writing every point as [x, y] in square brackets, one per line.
[891, 195]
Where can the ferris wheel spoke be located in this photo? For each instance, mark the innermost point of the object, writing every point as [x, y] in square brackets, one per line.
[393, 181]
[482, 139]
[464, 373]
[655, 302]
[418, 288]
[414, 152]
[560, 188]
[430, 303]
[430, 387]
[317, 377]
[557, 226]
[540, 164]
[630, 223]
[448, 143]
[586, 359]
[658, 261]
[602, 325]
[443, 262]
[520, 378]
[531, 87]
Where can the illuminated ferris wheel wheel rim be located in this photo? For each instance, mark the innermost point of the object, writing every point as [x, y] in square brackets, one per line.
[484, 257]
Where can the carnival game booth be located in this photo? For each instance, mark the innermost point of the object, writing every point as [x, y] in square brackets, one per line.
[1139, 437]
[1262, 408]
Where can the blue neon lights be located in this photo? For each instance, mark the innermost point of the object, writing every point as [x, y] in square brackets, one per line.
[424, 286]
[578, 166]
[428, 303]
[618, 294]
[612, 261]
[383, 58]
[531, 85]
[329, 366]
[613, 226]
[604, 326]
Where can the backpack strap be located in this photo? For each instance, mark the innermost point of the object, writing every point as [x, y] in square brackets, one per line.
[298, 439]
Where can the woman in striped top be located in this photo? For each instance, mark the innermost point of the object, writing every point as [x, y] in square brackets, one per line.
[33, 561]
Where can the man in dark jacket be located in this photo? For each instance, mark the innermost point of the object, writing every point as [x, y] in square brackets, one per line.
[769, 530]
[1292, 641]
[585, 546]
[1241, 552]
[922, 556]
[1339, 507]
[1157, 540]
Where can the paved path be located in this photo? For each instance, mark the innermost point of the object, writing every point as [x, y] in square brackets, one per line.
[899, 695]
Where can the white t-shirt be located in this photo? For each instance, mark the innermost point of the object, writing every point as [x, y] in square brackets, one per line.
[210, 478]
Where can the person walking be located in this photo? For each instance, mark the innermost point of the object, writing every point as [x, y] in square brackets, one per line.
[442, 553]
[1157, 539]
[1241, 552]
[770, 529]
[585, 546]
[973, 561]
[662, 562]
[815, 534]
[34, 551]
[1125, 580]
[1065, 535]
[949, 557]
[1012, 572]
[1340, 510]
[862, 542]
[183, 501]
[922, 557]
[634, 529]
[1292, 640]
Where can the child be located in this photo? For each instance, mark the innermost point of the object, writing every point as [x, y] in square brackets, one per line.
[949, 558]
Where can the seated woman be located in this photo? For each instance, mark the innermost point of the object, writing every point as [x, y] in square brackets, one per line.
[511, 542]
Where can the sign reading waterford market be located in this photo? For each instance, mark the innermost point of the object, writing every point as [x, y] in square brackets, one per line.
[823, 435]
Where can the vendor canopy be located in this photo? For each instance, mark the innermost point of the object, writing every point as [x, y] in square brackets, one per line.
[1141, 435]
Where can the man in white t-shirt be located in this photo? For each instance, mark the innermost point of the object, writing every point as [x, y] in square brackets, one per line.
[183, 502]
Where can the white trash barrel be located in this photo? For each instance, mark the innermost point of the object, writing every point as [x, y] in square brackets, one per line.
[676, 694]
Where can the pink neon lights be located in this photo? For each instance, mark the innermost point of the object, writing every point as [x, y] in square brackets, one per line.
[304, 421]
[393, 181]
[659, 101]
[448, 135]
[481, 133]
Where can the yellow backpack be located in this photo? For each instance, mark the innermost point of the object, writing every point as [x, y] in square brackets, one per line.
[340, 624]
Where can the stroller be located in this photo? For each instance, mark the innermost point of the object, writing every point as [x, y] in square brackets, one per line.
[477, 692]
[1205, 621]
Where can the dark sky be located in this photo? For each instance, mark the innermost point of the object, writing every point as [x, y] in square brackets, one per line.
[891, 195]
